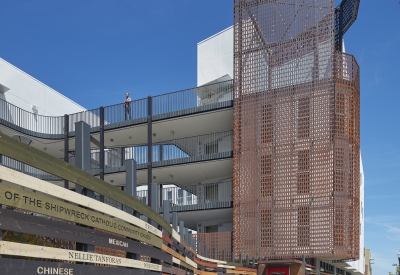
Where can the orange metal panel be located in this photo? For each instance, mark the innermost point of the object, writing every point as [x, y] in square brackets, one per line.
[296, 133]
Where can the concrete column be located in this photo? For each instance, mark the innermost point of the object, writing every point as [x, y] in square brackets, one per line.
[206, 251]
[215, 253]
[82, 149]
[130, 180]
[166, 210]
[193, 243]
[186, 235]
[130, 177]
[190, 239]
[317, 267]
[175, 221]
[182, 229]
[224, 255]
[153, 196]
[82, 161]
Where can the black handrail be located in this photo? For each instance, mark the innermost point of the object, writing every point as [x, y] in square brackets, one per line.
[134, 112]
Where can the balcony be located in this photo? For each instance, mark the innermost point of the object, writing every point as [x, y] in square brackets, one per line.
[195, 197]
[190, 101]
[202, 148]
[347, 69]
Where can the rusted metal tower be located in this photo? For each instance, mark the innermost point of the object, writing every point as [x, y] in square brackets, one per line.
[296, 130]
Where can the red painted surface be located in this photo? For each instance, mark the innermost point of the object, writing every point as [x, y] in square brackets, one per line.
[278, 271]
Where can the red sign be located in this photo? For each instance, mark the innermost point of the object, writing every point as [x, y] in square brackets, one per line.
[278, 271]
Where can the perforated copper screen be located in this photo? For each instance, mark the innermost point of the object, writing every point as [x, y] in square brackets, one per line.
[296, 133]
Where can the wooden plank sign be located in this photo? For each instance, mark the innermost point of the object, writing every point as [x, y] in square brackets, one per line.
[36, 158]
[36, 251]
[48, 188]
[24, 223]
[37, 203]
[26, 267]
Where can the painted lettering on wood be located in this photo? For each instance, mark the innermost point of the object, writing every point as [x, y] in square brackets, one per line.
[26, 267]
[45, 187]
[24, 223]
[37, 203]
[36, 251]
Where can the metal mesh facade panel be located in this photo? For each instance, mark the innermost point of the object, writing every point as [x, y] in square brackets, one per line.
[296, 133]
[219, 240]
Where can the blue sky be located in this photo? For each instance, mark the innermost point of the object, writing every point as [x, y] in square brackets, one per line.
[94, 51]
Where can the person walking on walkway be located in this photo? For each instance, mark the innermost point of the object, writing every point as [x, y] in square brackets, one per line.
[127, 106]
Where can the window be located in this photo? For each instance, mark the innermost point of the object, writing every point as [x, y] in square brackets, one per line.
[303, 172]
[169, 196]
[303, 117]
[338, 226]
[303, 226]
[188, 198]
[180, 196]
[266, 228]
[267, 126]
[266, 186]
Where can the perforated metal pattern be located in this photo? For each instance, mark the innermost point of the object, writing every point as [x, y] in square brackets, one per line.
[296, 112]
[219, 240]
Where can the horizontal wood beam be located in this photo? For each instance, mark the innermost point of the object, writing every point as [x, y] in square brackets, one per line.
[25, 223]
[31, 156]
[53, 190]
[45, 205]
[41, 252]
[27, 267]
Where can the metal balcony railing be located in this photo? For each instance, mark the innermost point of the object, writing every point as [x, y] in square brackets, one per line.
[346, 68]
[219, 240]
[195, 197]
[172, 152]
[30, 123]
[26, 169]
[204, 98]
[196, 148]
[207, 97]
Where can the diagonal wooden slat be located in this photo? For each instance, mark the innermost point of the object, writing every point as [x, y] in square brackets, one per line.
[31, 156]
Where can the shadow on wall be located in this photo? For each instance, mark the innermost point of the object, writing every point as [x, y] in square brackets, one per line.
[4, 109]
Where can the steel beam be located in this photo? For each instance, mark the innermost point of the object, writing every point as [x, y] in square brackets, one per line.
[101, 147]
[66, 145]
[149, 149]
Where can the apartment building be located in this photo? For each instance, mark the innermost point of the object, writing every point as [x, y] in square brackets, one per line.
[262, 159]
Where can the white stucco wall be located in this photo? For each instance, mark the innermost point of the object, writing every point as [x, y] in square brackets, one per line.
[359, 265]
[24, 91]
[215, 57]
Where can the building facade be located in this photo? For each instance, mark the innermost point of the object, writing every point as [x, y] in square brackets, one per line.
[262, 159]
